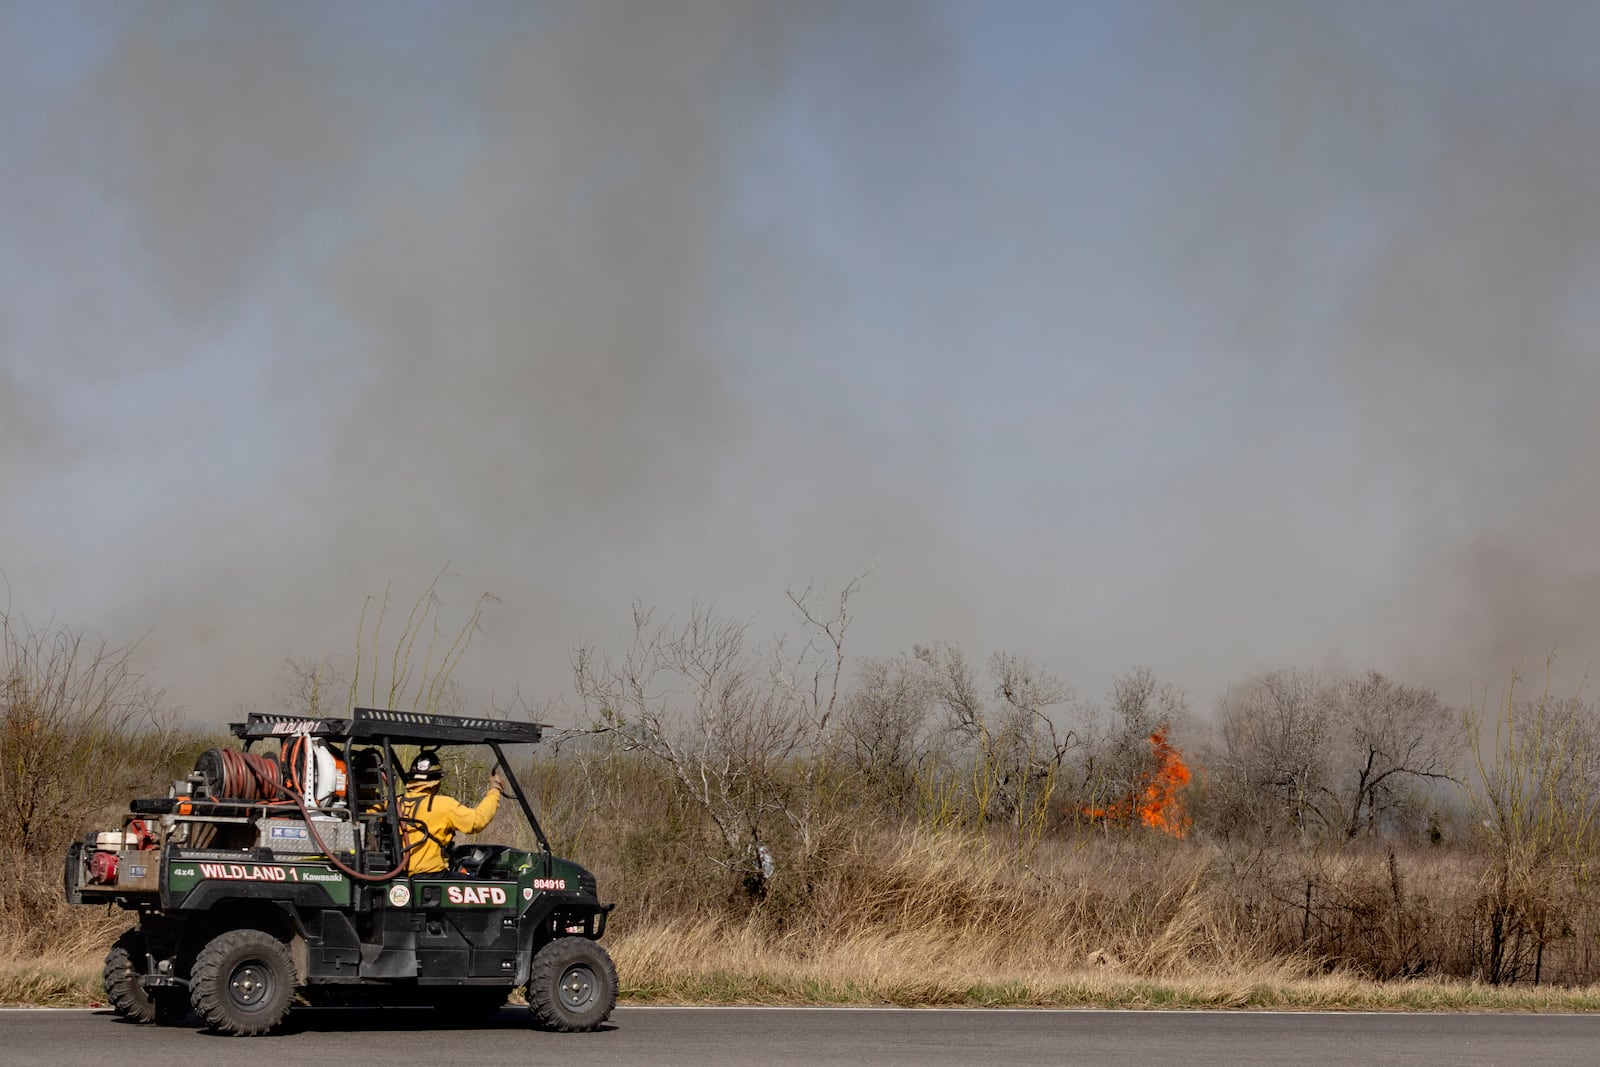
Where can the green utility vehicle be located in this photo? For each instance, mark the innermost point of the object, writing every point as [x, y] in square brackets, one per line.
[276, 873]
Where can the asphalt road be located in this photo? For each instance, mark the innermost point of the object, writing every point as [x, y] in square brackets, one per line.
[774, 1037]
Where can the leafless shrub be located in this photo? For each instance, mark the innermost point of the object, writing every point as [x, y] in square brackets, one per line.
[1272, 764]
[80, 731]
[1388, 737]
[69, 707]
[1537, 802]
[885, 732]
[311, 686]
[743, 732]
[1334, 756]
[1008, 754]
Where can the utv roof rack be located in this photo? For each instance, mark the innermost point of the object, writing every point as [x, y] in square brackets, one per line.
[406, 727]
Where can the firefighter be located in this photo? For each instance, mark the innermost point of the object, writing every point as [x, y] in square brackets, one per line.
[432, 819]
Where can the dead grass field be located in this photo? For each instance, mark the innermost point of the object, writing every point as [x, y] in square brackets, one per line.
[944, 919]
[708, 962]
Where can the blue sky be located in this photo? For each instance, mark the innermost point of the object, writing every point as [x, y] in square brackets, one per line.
[1213, 337]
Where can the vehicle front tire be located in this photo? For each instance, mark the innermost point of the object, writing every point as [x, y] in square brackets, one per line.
[572, 985]
[125, 991]
[242, 982]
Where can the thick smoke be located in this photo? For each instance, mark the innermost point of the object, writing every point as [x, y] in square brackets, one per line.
[483, 256]
[1214, 338]
[1409, 205]
[1474, 367]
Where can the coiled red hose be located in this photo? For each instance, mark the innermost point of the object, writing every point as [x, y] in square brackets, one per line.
[248, 776]
[271, 780]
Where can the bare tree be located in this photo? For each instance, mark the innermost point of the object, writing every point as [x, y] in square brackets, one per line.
[813, 679]
[1273, 763]
[1015, 750]
[729, 721]
[884, 729]
[1390, 737]
[308, 686]
[76, 720]
[1537, 806]
[1338, 755]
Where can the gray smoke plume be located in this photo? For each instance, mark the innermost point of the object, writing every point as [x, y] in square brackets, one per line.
[1410, 207]
[484, 257]
[1219, 338]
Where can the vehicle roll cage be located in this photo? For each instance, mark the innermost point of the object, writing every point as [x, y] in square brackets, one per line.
[381, 726]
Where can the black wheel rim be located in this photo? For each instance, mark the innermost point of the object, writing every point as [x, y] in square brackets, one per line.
[250, 985]
[579, 987]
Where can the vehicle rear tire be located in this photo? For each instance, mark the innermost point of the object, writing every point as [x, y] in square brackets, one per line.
[242, 982]
[125, 991]
[572, 985]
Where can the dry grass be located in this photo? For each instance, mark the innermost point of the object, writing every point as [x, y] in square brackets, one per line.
[53, 981]
[709, 962]
[947, 920]
[924, 919]
[705, 962]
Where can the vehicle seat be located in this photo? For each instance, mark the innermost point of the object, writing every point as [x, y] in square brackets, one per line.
[474, 861]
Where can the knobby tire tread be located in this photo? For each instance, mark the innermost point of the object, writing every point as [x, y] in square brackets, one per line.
[208, 982]
[544, 999]
[126, 993]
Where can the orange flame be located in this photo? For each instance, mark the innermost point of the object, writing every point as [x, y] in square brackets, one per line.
[1157, 803]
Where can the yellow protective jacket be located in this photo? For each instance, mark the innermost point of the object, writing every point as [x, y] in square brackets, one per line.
[441, 818]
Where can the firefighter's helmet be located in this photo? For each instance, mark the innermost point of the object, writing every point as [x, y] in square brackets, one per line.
[426, 767]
